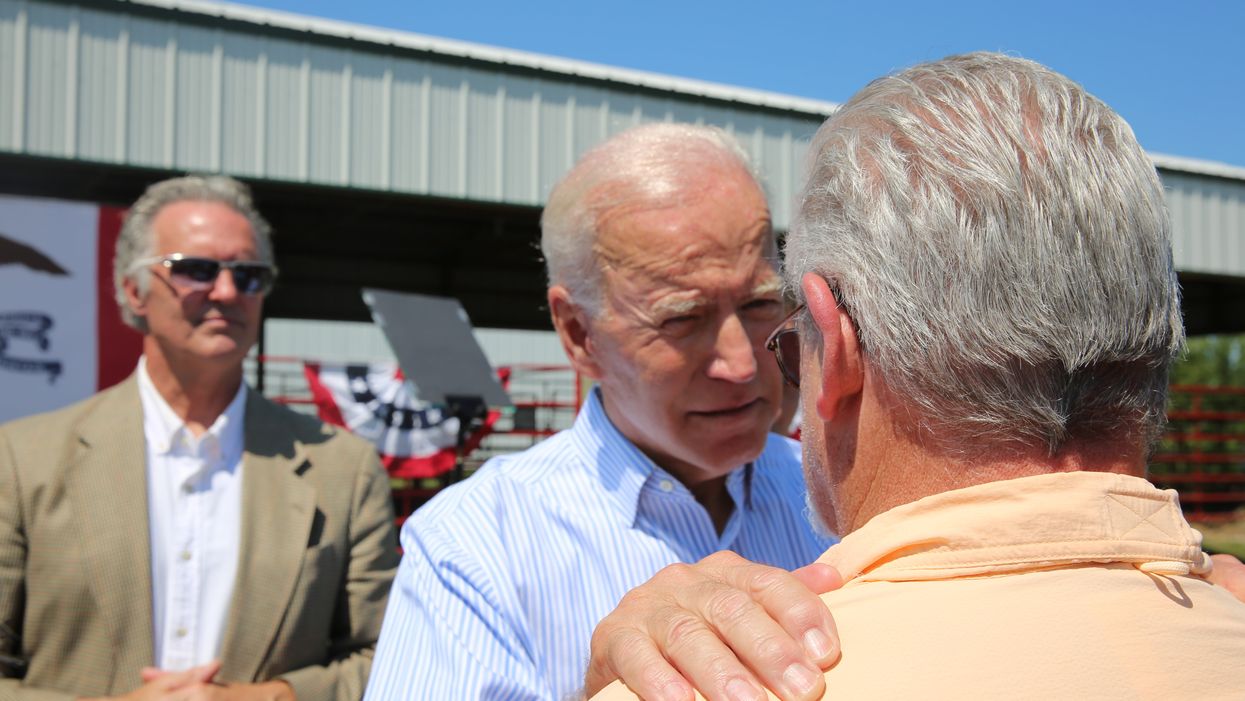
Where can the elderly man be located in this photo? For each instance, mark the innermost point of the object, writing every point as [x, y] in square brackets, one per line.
[663, 289]
[179, 536]
[990, 310]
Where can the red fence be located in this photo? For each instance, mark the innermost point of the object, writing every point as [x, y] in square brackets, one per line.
[546, 399]
[1202, 454]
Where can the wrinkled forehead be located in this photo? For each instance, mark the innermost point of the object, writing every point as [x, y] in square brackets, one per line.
[669, 237]
[676, 279]
[710, 211]
[707, 233]
[671, 272]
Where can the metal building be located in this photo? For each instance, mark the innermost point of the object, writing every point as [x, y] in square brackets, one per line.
[1206, 201]
[407, 162]
[382, 158]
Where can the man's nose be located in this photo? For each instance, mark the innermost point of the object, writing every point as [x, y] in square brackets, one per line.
[734, 354]
[224, 289]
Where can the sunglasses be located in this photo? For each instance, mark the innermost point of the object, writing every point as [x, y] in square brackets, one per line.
[784, 343]
[199, 274]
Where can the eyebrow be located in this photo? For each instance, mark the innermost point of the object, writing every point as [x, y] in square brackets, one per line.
[677, 306]
[689, 304]
[772, 285]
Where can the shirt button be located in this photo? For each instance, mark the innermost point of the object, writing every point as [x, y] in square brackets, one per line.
[666, 486]
[185, 555]
[181, 632]
[186, 489]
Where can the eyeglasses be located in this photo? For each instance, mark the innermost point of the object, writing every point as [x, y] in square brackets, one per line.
[784, 343]
[199, 274]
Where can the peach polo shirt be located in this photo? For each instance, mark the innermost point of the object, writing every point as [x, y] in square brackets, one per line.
[1059, 586]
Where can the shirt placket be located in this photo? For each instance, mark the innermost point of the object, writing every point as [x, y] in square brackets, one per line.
[186, 555]
[667, 507]
[737, 487]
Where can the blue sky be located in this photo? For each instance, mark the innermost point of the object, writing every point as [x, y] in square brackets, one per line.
[1175, 70]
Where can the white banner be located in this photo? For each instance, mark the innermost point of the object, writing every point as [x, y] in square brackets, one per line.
[48, 331]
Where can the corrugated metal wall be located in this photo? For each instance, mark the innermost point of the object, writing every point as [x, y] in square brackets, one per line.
[113, 86]
[172, 90]
[1208, 222]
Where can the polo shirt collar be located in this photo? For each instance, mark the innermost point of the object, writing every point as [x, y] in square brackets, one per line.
[1048, 520]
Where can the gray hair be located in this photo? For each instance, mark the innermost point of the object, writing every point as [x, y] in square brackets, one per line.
[646, 167]
[137, 240]
[1000, 240]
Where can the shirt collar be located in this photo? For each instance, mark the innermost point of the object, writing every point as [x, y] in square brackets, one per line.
[623, 469]
[163, 428]
[1041, 521]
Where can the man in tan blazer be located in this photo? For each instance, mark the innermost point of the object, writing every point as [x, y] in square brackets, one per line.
[92, 597]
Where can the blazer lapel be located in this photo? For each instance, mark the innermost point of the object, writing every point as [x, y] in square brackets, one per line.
[108, 490]
[278, 510]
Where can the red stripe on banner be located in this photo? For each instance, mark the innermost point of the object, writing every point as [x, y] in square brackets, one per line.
[326, 406]
[418, 468]
[437, 463]
[117, 345]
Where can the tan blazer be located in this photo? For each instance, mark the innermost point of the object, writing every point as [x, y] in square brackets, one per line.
[318, 552]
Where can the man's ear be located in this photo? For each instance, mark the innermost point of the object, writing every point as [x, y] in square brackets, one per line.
[842, 367]
[136, 302]
[572, 324]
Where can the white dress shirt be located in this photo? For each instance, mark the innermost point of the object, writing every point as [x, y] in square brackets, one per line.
[194, 497]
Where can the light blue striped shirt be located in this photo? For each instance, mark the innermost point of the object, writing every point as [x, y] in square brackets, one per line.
[505, 576]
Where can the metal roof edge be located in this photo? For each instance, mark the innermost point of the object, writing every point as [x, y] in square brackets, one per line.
[1198, 166]
[491, 54]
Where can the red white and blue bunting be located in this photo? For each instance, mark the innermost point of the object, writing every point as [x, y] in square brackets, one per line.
[414, 438]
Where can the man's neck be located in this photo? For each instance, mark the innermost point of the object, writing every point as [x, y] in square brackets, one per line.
[197, 392]
[713, 495]
[709, 489]
[898, 470]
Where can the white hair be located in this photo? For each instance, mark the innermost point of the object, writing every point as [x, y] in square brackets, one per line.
[1000, 240]
[645, 167]
[137, 239]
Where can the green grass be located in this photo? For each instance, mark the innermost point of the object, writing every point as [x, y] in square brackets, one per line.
[1231, 547]
[1227, 537]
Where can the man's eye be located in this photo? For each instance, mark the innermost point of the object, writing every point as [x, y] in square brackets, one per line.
[678, 321]
[763, 308]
